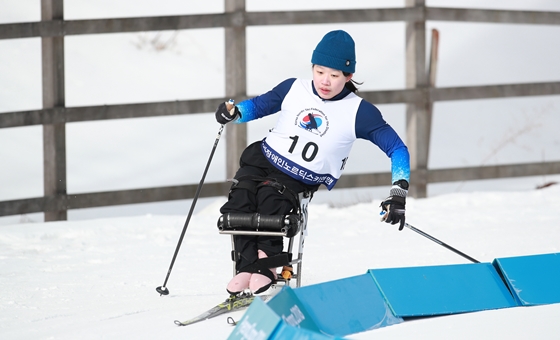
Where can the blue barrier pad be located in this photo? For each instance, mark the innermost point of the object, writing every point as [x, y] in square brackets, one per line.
[346, 306]
[440, 290]
[285, 331]
[533, 279]
[287, 305]
[263, 322]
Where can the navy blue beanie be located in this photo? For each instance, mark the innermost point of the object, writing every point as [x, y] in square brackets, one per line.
[336, 50]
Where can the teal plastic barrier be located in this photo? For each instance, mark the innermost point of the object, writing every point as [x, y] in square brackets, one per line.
[533, 279]
[439, 290]
[383, 297]
[346, 306]
[261, 322]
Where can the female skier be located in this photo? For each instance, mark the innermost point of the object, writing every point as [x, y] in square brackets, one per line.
[318, 122]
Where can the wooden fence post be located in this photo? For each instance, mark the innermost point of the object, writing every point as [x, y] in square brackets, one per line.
[417, 129]
[432, 72]
[236, 81]
[54, 135]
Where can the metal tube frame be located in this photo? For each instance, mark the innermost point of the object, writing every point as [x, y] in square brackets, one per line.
[304, 201]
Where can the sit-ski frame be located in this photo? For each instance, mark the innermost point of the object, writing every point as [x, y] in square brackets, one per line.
[296, 263]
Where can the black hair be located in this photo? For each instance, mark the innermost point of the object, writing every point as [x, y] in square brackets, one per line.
[351, 85]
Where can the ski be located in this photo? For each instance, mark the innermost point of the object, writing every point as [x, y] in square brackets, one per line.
[231, 304]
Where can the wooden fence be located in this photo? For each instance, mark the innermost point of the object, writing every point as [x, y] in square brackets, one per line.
[419, 96]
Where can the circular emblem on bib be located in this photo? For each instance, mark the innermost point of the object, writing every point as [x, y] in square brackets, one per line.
[313, 120]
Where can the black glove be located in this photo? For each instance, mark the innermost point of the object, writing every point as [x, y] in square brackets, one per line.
[393, 206]
[224, 116]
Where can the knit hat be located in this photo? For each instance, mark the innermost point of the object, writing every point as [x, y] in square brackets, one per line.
[336, 50]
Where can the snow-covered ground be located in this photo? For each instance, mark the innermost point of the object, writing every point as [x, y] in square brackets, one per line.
[96, 279]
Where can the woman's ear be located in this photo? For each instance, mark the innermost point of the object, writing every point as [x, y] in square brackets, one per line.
[348, 77]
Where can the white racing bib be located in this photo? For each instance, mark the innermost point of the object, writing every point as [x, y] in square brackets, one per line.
[312, 138]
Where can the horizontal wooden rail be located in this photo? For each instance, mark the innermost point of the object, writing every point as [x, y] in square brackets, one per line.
[334, 16]
[103, 112]
[110, 198]
[493, 16]
[150, 195]
[56, 28]
[453, 174]
[492, 172]
[494, 91]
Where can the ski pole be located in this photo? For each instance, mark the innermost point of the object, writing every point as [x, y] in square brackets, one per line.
[441, 243]
[162, 290]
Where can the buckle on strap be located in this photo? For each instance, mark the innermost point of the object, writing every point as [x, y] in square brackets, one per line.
[276, 185]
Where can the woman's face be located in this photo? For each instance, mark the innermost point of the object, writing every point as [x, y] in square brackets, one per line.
[328, 82]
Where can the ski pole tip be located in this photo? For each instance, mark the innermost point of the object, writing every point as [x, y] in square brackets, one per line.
[162, 290]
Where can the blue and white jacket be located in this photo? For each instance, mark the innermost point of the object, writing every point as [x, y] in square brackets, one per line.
[313, 136]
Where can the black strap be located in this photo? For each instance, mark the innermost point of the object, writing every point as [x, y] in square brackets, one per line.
[244, 184]
[262, 266]
[253, 182]
[281, 188]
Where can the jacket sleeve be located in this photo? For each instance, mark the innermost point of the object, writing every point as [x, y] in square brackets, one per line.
[370, 125]
[265, 104]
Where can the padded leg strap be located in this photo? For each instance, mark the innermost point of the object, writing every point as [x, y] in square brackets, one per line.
[262, 266]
